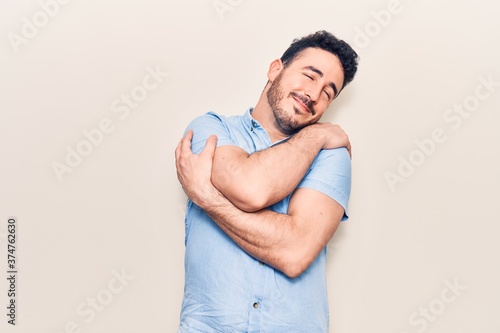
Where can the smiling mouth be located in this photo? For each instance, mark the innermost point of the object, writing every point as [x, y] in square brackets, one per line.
[302, 105]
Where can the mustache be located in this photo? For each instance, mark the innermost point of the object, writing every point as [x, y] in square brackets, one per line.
[307, 102]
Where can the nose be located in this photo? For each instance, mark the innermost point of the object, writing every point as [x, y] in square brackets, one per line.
[313, 94]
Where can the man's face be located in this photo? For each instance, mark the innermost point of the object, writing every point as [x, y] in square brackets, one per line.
[301, 93]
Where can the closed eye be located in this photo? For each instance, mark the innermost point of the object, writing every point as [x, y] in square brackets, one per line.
[310, 77]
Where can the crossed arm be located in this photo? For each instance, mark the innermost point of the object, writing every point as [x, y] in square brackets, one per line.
[288, 242]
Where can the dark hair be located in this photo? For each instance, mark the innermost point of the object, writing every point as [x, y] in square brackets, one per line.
[328, 42]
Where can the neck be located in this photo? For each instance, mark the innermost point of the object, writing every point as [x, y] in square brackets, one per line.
[263, 113]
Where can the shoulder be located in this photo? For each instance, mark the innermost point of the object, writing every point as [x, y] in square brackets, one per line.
[209, 123]
[207, 119]
[336, 160]
[206, 125]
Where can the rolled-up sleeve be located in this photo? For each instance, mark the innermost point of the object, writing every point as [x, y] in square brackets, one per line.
[330, 174]
[206, 125]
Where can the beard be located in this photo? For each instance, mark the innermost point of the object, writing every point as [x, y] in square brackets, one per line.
[285, 120]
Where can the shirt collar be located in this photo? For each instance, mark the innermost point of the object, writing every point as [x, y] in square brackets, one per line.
[249, 121]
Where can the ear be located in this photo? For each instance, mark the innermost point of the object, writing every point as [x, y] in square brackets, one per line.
[274, 69]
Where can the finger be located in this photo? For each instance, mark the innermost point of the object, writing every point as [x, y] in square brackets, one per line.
[177, 153]
[186, 142]
[180, 145]
[178, 150]
[210, 146]
[189, 135]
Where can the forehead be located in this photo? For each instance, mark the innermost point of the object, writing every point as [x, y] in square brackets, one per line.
[328, 63]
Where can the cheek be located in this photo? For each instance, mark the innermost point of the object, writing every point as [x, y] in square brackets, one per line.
[321, 109]
[298, 83]
[301, 84]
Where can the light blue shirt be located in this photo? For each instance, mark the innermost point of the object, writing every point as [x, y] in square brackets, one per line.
[227, 290]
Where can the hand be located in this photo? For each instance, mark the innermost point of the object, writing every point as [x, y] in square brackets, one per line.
[333, 136]
[194, 171]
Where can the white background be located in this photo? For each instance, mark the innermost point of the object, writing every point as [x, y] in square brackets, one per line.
[121, 208]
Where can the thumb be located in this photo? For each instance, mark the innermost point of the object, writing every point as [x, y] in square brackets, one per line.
[210, 146]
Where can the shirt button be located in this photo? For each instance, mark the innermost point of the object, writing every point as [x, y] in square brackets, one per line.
[261, 263]
[254, 123]
[255, 305]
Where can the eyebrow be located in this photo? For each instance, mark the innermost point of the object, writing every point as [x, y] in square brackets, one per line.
[320, 73]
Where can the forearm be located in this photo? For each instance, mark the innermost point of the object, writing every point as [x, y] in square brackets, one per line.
[263, 178]
[268, 236]
[288, 242]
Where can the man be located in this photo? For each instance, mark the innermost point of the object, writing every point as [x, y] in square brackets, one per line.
[267, 191]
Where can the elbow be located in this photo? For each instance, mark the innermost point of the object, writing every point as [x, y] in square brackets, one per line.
[296, 256]
[249, 200]
[250, 205]
[294, 270]
[247, 195]
[296, 266]
[292, 273]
